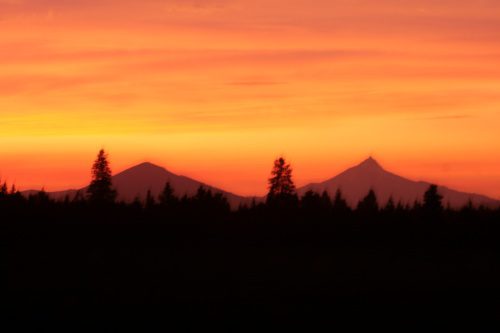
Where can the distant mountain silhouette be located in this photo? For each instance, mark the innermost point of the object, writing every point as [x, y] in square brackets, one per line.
[354, 183]
[357, 181]
[136, 181]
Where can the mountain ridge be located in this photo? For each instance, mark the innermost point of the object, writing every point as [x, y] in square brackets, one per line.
[135, 181]
[354, 182]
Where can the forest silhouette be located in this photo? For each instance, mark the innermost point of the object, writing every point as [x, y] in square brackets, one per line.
[282, 203]
[288, 258]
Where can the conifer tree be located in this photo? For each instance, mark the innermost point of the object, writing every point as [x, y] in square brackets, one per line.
[281, 185]
[167, 196]
[433, 201]
[101, 188]
[369, 204]
[311, 202]
[4, 189]
[340, 206]
[326, 202]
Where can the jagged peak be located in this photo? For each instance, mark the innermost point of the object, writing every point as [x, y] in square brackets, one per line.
[371, 163]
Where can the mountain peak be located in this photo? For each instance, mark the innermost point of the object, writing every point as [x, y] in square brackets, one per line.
[147, 165]
[355, 183]
[147, 177]
[371, 163]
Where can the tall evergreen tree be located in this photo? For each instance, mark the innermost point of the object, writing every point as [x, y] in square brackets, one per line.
[281, 186]
[433, 201]
[101, 189]
[167, 197]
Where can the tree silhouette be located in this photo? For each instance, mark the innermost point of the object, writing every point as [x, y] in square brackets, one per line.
[311, 202]
[150, 201]
[316, 206]
[326, 202]
[433, 201]
[167, 197]
[340, 207]
[206, 202]
[42, 197]
[281, 186]
[369, 204]
[4, 189]
[100, 190]
[390, 206]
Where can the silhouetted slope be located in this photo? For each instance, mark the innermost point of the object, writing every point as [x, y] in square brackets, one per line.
[354, 183]
[136, 181]
[357, 181]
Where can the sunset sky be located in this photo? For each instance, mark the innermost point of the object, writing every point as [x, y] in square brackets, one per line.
[216, 89]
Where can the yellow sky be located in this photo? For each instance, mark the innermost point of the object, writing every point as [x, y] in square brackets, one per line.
[215, 89]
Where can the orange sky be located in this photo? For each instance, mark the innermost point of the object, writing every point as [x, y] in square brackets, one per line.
[215, 89]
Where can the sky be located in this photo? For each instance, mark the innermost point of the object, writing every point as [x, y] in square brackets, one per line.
[216, 89]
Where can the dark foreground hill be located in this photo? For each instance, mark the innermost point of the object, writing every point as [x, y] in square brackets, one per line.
[243, 271]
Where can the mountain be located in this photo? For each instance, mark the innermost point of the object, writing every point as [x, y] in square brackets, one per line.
[357, 181]
[354, 184]
[136, 181]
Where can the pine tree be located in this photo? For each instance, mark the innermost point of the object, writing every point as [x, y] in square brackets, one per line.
[369, 205]
[433, 201]
[100, 190]
[326, 202]
[340, 206]
[167, 197]
[281, 186]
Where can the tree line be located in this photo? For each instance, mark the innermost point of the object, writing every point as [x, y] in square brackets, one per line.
[281, 200]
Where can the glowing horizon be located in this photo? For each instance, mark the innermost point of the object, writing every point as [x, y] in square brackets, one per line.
[216, 89]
